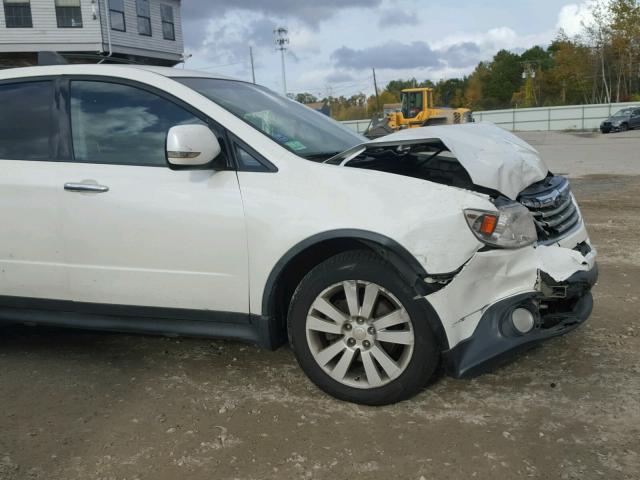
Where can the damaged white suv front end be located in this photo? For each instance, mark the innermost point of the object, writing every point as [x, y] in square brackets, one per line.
[530, 279]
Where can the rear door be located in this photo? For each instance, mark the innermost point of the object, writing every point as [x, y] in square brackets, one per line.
[139, 233]
[31, 244]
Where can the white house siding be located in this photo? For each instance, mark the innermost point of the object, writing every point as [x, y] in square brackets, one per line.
[45, 34]
[131, 42]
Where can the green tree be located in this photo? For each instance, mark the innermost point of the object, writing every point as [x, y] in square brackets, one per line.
[474, 92]
[504, 79]
[306, 98]
[570, 79]
[450, 92]
[625, 46]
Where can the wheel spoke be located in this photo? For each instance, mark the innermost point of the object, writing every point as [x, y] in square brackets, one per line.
[402, 337]
[370, 296]
[324, 356]
[389, 320]
[351, 293]
[318, 325]
[326, 308]
[387, 364]
[370, 369]
[342, 367]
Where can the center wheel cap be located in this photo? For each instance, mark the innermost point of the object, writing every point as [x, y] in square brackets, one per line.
[359, 334]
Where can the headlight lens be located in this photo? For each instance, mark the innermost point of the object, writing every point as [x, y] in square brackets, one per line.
[510, 227]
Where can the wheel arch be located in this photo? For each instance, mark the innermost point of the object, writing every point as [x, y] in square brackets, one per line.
[302, 257]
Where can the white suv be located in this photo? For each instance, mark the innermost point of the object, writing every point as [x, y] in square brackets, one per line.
[169, 201]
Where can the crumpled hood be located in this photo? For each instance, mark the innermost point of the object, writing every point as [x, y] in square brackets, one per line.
[493, 157]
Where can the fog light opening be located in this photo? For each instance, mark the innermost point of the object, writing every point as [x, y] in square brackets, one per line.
[522, 320]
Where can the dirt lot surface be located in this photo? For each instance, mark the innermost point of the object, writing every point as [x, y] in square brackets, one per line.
[78, 405]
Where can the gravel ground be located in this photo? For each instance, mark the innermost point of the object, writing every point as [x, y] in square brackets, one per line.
[78, 405]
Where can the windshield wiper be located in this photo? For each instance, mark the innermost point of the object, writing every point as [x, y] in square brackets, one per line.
[320, 156]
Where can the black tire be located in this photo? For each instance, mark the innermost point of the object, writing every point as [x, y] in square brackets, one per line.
[624, 127]
[367, 267]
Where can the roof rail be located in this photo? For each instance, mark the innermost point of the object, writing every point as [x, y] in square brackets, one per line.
[50, 58]
[102, 58]
[46, 58]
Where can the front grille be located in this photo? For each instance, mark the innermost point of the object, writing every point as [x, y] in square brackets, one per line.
[553, 208]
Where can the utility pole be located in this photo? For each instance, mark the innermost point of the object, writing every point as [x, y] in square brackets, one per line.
[375, 86]
[529, 75]
[253, 71]
[281, 35]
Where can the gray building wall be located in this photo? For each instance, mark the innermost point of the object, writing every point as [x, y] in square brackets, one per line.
[45, 34]
[131, 42]
[17, 43]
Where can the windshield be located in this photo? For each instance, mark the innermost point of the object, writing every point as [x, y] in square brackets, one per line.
[296, 127]
[625, 112]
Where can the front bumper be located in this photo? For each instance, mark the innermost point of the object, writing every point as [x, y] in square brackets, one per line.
[558, 308]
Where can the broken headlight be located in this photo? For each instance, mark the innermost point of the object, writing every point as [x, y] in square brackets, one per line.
[510, 227]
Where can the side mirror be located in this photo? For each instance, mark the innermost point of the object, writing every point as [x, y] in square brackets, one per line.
[191, 146]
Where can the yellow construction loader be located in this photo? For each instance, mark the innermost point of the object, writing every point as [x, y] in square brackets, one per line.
[417, 110]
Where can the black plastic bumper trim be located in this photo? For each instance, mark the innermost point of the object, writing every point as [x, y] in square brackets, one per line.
[489, 346]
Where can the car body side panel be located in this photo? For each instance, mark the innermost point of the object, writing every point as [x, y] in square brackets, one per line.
[304, 199]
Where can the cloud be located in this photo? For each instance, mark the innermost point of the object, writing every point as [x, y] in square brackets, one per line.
[199, 15]
[310, 12]
[227, 42]
[462, 55]
[572, 17]
[396, 17]
[389, 55]
[339, 77]
[396, 55]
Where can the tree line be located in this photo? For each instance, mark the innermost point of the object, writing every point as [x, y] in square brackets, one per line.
[599, 65]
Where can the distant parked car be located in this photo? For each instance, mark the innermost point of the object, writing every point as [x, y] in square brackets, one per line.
[621, 121]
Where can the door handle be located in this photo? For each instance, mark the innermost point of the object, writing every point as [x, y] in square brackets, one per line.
[86, 187]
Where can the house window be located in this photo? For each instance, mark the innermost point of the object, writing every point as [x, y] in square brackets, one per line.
[68, 13]
[168, 29]
[116, 15]
[144, 17]
[17, 13]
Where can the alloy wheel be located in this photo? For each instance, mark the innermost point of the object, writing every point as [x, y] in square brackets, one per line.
[360, 334]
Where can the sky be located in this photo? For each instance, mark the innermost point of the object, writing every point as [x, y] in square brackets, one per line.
[335, 43]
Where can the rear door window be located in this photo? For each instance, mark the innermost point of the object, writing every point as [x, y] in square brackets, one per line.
[26, 124]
